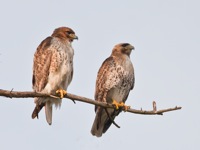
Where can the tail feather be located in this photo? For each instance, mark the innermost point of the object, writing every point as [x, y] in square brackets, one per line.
[48, 112]
[37, 109]
[101, 122]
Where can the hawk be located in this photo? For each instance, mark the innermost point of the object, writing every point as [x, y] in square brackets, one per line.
[114, 81]
[53, 69]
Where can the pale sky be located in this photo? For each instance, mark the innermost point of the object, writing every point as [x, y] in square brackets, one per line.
[166, 37]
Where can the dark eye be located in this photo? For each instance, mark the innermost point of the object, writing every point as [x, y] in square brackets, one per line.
[68, 32]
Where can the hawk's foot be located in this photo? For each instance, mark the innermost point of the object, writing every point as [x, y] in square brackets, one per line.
[125, 107]
[61, 93]
[116, 104]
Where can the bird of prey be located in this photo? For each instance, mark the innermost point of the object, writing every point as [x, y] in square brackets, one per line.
[53, 69]
[114, 81]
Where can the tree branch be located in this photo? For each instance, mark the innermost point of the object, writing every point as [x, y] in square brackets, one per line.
[28, 94]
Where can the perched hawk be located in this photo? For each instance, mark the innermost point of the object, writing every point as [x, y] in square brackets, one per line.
[114, 81]
[53, 69]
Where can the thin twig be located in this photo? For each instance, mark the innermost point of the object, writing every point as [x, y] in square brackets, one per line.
[113, 122]
[154, 106]
[28, 94]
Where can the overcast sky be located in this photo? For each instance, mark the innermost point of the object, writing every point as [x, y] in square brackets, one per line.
[166, 37]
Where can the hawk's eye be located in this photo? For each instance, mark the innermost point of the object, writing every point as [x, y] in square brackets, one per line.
[68, 32]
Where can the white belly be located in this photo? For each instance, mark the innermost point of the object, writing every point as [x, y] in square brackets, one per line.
[61, 78]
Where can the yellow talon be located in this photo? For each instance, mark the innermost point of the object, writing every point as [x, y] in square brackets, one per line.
[61, 92]
[125, 107]
[120, 104]
[116, 104]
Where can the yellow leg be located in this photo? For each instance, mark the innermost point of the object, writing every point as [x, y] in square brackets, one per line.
[120, 104]
[61, 93]
[116, 104]
[125, 107]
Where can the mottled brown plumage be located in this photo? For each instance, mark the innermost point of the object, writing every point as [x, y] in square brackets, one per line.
[114, 81]
[53, 68]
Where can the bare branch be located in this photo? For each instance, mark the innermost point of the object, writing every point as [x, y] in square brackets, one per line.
[113, 122]
[28, 94]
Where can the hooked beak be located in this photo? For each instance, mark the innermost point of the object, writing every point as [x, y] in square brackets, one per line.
[131, 47]
[73, 36]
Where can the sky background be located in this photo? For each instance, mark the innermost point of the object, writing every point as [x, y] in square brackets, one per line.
[166, 36]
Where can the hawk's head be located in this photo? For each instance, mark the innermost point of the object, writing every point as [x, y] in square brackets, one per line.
[122, 48]
[65, 33]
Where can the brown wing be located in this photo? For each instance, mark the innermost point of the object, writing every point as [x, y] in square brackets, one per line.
[107, 78]
[41, 65]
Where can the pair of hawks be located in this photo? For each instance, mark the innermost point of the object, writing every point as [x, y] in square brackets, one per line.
[53, 72]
